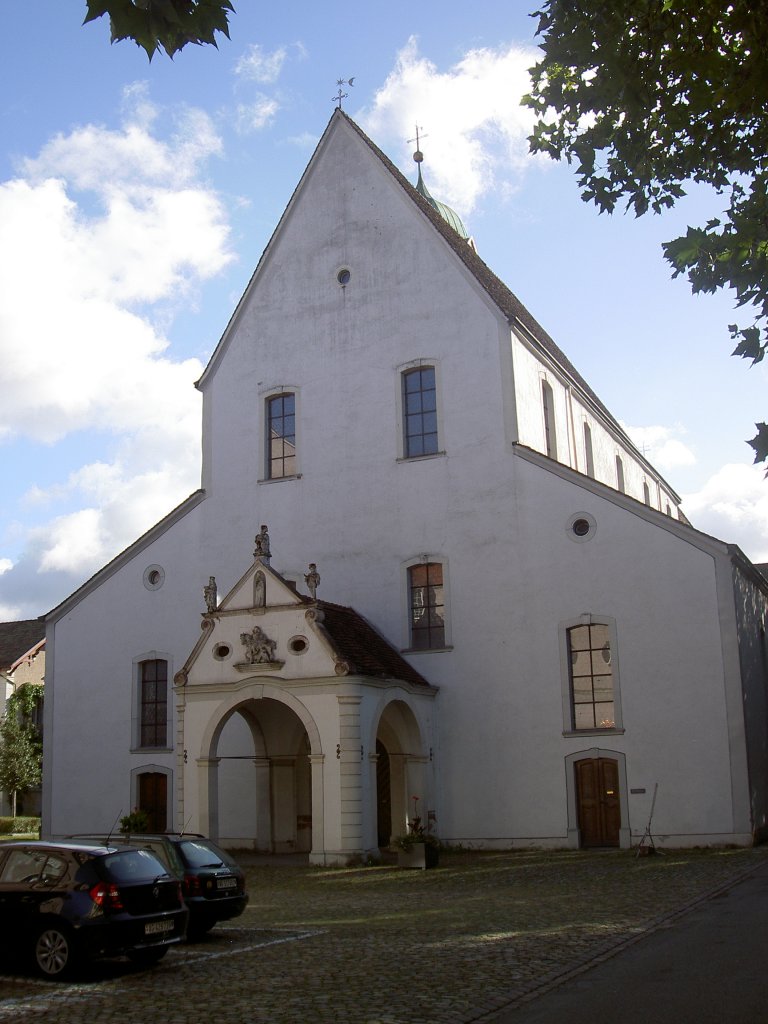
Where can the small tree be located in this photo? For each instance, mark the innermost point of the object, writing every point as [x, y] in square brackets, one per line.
[21, 749]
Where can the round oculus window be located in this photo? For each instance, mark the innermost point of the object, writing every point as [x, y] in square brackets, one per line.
[154, 577]
[221, 651]
[343, 276]
[298, 644]
[581, 527]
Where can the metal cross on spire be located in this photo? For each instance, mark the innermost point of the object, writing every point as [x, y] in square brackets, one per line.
[341, 95]
[418, 156]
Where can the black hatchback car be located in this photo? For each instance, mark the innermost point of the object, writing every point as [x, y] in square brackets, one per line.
[213, 883]
[62, 904]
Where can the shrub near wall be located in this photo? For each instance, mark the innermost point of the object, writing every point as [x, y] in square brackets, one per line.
[19, 826]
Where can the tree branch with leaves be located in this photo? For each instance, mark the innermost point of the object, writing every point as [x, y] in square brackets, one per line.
[21, 749]
[166, 24]
[646, 97]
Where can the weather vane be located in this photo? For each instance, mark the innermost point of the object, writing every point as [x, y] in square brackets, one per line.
[341, 95]
[418, 156]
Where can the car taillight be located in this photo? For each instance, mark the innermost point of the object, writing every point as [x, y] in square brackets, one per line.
[192, 886]
[106, 896]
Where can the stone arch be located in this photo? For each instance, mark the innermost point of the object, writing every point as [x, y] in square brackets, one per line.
[258, 691]
[259, 770]
[401, 766]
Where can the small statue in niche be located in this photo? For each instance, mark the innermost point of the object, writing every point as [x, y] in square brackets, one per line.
[210, 592]
[259, 649]
[262, 544]
[259, 590]
[312, 579]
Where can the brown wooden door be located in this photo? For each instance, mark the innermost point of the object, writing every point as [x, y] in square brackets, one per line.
[597, 795]
[153, 798]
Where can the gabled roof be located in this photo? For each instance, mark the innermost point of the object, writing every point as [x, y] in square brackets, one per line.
[363, 648]
[499, 294]
[17, 639]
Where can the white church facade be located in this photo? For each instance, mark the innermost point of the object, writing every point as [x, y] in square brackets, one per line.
[426, 572]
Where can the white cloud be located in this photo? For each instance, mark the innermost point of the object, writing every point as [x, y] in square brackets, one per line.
[661, 447]
[104, 235]
[78, 350]
[260, 66]
[251, 117]
[733, 505]
[475, 130]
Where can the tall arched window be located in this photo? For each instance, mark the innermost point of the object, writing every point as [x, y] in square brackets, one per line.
[591, 676]
[426, 605]
[153, 700]
[589, 459]
[281, 436]
[548, 407]
[419, 412]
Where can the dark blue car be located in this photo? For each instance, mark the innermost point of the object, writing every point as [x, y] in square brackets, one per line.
[62, 904]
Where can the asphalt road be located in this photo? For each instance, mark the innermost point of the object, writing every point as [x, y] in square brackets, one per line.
[709, 966]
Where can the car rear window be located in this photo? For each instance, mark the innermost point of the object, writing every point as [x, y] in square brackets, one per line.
[133, 866]
[198, 853]
[34, 865]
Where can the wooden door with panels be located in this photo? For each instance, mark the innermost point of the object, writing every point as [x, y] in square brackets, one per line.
[597, 798]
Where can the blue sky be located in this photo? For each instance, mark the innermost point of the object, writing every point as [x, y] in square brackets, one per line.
[136, 199]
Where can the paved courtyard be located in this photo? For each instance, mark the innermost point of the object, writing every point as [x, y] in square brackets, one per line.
[380, 945]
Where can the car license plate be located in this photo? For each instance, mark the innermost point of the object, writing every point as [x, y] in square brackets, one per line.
[226, 883]
[156, 927]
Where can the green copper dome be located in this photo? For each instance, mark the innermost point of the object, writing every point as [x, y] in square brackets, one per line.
[449, 216]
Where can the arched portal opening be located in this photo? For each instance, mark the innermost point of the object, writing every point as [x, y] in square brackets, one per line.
[403, 773]
[263, 785]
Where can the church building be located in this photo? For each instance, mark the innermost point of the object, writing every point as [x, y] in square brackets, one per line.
[427, 574]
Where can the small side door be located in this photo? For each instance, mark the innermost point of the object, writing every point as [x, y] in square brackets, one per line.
[599, 807]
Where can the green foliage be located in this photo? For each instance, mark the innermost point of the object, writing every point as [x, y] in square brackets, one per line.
[166, 24]
[21, 748]
[19, 826]
[646, 96]
[135, 822]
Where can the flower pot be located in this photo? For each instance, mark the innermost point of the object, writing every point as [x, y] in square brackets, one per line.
[419, 855]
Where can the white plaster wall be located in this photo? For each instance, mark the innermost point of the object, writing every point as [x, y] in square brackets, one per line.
[498, 521]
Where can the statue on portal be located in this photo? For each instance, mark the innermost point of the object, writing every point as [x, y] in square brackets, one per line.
[259, 649]
[211, 594]
[262, 544]
[312, 579]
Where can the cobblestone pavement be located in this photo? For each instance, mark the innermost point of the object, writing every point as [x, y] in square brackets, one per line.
[379, 945]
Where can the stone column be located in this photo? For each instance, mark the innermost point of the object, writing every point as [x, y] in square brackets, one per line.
[261, 791]
[208, 788]
[350, 778]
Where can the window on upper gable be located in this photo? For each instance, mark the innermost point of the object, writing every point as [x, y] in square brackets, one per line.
[589, 458]
[153, 703]
[281, 436]
[419, 412]
[548, 408]
[591, 676]
[426, 599]
[646, 494]
[619, 474]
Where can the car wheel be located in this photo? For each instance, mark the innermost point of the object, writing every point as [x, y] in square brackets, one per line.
[147, 957]
[54, 952]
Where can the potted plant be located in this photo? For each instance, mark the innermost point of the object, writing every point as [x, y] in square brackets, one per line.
[418, 847]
